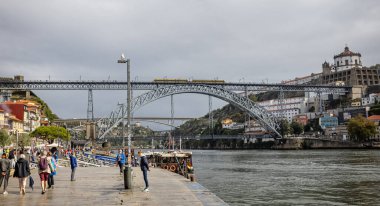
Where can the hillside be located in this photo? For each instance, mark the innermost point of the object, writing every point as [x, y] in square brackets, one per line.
[200, 126]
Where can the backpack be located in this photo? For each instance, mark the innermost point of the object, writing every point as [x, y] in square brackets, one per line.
[43, 164]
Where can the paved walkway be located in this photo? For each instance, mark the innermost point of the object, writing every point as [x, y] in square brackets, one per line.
[104, 186]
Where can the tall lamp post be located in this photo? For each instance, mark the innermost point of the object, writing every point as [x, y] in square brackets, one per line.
[127, 173]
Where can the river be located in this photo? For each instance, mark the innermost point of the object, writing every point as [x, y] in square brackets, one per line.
[293, 177]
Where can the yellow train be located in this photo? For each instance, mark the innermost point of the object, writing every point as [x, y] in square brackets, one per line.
[184, 81]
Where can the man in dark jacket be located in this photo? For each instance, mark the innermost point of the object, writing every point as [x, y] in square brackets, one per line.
[144, 165]
[22, 171]
[74, 165]
[5, 169]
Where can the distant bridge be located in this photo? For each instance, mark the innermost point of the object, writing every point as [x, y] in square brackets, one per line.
[157, 90]
[194, 137]
[119, 85]
[74, 120]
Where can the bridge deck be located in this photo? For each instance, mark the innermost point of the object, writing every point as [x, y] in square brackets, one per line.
[104, 186]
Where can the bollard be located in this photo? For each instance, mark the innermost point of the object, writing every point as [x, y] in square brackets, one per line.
[192, 178]
[127, 178]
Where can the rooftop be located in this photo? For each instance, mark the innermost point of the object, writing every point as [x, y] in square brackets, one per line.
[347, 52]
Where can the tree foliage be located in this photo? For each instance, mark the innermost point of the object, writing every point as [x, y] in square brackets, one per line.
[50, 133]
[284, 127]
[361, 129]
[4, 138]
[296, 127]
[23, 139]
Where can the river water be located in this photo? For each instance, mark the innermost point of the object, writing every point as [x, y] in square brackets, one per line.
[294, 177]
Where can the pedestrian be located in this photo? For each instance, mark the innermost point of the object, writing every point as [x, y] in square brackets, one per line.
[5, 167]
[11, 156]
[22, 171]
[53, 171]
[44, 170]
[144, 165]
[120, 160]
[74, 165]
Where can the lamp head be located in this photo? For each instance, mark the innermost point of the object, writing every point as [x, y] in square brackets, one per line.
[122, 59]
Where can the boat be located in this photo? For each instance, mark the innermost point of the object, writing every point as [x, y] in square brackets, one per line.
[175, 161]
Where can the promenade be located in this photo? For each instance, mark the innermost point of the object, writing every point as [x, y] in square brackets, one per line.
[104, 186]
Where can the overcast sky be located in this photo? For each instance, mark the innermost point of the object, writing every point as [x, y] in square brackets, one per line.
[234, 40]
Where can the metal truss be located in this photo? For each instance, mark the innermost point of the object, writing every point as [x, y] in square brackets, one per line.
[267, 119]
[115, 85]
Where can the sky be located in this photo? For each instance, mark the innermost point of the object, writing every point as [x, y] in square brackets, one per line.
[233, 40]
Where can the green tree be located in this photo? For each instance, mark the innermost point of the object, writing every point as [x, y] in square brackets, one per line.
[50, 133]
[307, 127]
[361, 129]
[4, 138]
[23, 139]
[284, 127]
[296, 127]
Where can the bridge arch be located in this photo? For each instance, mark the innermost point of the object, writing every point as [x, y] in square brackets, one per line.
[265, 118]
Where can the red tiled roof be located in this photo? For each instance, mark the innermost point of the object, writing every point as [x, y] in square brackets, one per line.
[374, 117]
[347, 52]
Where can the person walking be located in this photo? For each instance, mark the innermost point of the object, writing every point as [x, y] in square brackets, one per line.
[120, 160]
[144, 165]
[53, 171]
[11, 156]
[5, 169]
[44, 170]
[22, 171]
[74, 165]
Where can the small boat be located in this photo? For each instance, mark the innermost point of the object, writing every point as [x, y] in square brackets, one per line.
[175, 161]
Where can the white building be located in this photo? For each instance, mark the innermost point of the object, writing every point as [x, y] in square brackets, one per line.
[290, 108]
[347, 60]
[371, 99]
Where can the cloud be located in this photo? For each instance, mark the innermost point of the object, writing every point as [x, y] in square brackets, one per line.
[259, 40]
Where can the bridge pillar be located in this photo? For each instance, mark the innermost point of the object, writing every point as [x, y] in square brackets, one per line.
[90, 106]
[90, 131]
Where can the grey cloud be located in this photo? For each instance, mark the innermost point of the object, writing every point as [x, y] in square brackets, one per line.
[258, 40]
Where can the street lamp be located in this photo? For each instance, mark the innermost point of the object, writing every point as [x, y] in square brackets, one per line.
[17, 132]
[122, 60]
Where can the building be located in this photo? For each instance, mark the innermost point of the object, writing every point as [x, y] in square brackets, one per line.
[313, 77]
[229, 124]
[376, 120]
[25, 110]
[16, 125]
[301, 119]
[348, 68]
[348, 113]
[328, 121]
[288, 109]
[254, 128]
[3, 120]
[371, 99]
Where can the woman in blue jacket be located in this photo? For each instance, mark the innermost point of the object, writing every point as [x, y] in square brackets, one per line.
[120, 158]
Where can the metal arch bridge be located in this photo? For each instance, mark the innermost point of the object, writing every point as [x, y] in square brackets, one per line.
[266, 119]
[118, 85]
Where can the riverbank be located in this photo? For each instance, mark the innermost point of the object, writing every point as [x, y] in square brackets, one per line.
[279, 144]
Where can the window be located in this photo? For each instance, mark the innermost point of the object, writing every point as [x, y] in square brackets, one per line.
[356, 62]
[346, 61]
[337, 63]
